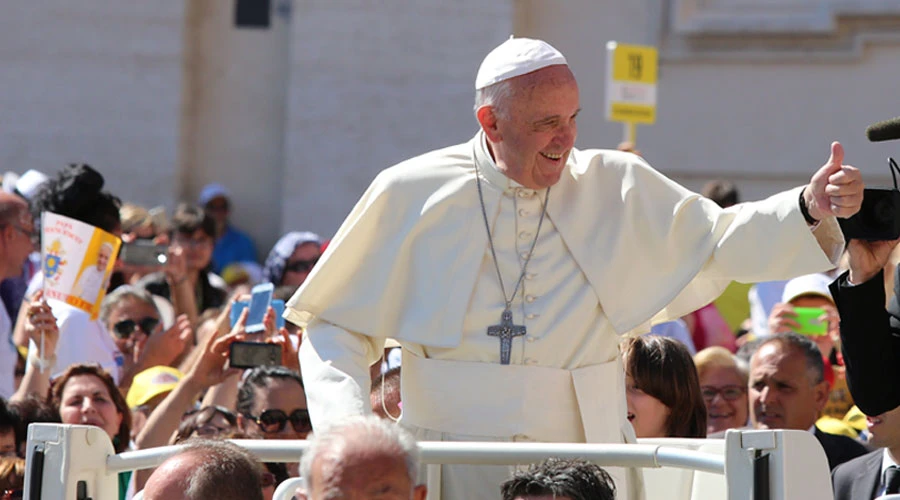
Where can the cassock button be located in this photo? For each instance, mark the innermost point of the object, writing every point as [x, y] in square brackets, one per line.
[525, 235]
[530, 276]
[530, 339]
[532, 316]
[524, 213]
[524, 255]
[530, 298]
[529, 361]
[525, 193]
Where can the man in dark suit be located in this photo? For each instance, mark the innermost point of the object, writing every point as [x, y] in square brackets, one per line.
[875, 473]
[870, 335]
[788, 390]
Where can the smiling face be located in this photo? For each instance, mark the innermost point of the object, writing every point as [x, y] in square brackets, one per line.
[103, 257]
[647, 414]
[884, 430]
[85, 400]
[531, 132]
[723, 410]
[783, 394]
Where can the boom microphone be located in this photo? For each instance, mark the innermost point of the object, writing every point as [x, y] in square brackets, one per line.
[887, 130]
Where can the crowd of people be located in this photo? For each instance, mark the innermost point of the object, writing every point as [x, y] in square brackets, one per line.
[414, 338]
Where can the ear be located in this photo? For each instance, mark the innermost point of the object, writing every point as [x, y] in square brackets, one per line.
[821, 394]
[488, 121]
[420, 492]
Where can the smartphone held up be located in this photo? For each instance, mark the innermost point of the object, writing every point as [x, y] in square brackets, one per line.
[253, 354]
[144, 253]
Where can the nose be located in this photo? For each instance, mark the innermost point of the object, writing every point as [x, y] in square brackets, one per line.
[567, 133]
[87, 406]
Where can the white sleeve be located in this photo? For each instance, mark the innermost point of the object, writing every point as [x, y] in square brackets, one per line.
[335, 367]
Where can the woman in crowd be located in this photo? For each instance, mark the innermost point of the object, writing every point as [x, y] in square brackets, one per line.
[723, 384]
[130, 315]
[292, 258]
[76, 192]
[207, 422]
[662, 389]
[271, 404]
[87, 395]
[188, 281]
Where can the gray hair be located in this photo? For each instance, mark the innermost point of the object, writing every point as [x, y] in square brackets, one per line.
[226, 471]
[815, 367]
[495, 96]
[121, 293]
[369, 431]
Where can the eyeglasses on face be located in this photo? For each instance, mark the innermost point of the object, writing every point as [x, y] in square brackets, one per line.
[728, 392]
[300, 266]
[273, 421]
[123, 329]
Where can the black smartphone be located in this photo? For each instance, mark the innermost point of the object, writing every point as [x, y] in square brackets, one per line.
[144, 253]
[253, 354]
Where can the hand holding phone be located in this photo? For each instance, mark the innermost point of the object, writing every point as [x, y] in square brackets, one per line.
[144, 253]
[260, 300]
[253, 354]
[811, 321]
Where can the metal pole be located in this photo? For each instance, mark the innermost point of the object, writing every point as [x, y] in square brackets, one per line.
[474, 453]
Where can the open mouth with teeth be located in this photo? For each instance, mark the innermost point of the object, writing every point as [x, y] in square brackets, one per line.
[552, 157]
[872, 421]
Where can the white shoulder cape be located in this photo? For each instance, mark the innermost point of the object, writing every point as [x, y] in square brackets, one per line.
[403, 264]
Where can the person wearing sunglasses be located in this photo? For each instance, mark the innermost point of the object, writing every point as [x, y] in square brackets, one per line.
[130, 315]
[271, 404]
[292, 258]
[723, 385]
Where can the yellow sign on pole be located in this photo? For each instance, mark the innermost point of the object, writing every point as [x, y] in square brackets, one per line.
[631, 72]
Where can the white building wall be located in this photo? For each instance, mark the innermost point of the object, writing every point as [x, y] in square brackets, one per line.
[373, 83]
[97, 82]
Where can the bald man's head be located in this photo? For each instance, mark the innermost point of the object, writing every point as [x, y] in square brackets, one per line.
[207, 469]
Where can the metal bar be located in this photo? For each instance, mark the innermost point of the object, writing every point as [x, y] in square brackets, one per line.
[474, 453]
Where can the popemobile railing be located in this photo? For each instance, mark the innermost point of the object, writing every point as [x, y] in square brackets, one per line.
[74, 462]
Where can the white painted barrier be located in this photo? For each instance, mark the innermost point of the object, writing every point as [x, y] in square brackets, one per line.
[73, 462]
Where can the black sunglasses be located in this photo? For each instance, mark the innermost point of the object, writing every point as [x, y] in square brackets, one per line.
[300, 266]
[273, 421]
[123, 329]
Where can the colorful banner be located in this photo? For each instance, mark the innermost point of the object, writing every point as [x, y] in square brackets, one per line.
[77, 260]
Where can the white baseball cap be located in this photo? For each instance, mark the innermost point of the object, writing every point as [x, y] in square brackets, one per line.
[809, 284]
[516, 57]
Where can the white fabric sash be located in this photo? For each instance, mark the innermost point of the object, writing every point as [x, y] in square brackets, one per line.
[514, 401]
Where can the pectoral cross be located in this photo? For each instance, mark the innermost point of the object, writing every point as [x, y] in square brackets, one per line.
[506, 331]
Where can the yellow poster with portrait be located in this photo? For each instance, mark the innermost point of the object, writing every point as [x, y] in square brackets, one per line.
[77, 260]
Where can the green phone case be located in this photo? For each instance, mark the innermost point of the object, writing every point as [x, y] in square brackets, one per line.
[808, 318]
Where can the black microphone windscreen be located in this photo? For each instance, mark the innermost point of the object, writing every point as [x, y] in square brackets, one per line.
[887, 130]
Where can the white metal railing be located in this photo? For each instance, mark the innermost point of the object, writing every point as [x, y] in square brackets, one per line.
[473, 453]
[63, 459]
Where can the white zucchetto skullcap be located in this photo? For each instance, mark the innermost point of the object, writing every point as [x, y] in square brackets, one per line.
[516, 57]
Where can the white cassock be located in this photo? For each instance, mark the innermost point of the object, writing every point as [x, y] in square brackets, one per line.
[621, 247]
[89, 284]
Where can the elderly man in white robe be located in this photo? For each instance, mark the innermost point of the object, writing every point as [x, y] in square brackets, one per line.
[508, 267]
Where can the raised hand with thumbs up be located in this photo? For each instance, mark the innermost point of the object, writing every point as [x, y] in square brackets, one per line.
[835, 189]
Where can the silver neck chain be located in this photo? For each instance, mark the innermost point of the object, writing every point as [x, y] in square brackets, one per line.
[487, 227]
